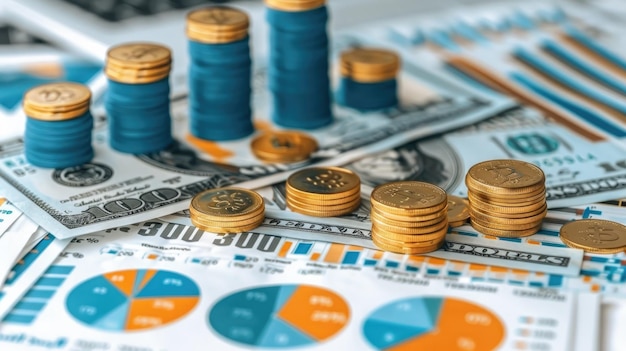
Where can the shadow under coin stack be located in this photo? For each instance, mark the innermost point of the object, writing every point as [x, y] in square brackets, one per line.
[409, 217]
[323, 191]
[227, 210]
[138, 97]
[507, 198]
[368, 79]
[219, 74]
[58, 125]
[298, 70]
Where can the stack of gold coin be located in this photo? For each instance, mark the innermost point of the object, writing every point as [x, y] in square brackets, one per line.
[227, 210]
[409, 217]
[507, 198]
[283, 147]
[595, 235]
[367, 65]
[217, 25]
[57, 101]
[294, 5]
[138, 63]
[323, 191]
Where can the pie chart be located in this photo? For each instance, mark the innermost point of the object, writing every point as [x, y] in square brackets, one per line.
[279, 316]
[132, 299]
[433, 323]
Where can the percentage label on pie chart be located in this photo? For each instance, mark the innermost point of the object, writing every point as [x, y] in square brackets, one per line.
[280, 316]
[433, 323]
[133, 299]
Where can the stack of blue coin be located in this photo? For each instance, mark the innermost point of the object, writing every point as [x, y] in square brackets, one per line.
[138, 98]
[220, 74]
[368, 79]
[298, 70]
[58, 125]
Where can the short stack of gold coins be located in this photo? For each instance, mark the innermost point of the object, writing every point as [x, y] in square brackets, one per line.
[323, 191]
[507, 198]
[217, 25]
[369, 65]
[138, 63]
[409, 217]
[227, 210]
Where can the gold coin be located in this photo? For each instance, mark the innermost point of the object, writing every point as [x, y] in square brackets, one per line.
[409, 197]
[457, 209]
[505, 177]
[505, 232]
[216, 38]
[225, 230]
[591, 249]
[506, 210]
[223, 203]
[283, 147]
[323, 182]
[294, 5]
[235, 221]
[595, 234]
[520, 219]
[412, 218]
[314, 207]
[507, 198]
[409, 238]
[139, 55]
[218, 19]
[511, 225]
[457, 224]
[322, 213]
[412, 222]
[402, 243]
[57, 101]
[233, 224]
[407, 250]
[540, 197]
[324, 198]
[323, 202]
[139, 76]
[369, 65]
[409, 230]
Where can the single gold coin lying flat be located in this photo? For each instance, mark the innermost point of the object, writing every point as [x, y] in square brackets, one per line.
[139, 55]
[222, 204]
[595, 235]
[409, 197]
[57, 101]
[294, 5]
[369, 64]
[458, 209]
[323, 182]
[505, 177]
[283, 147]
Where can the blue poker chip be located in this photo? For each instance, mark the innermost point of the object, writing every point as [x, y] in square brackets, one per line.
[297, 21]
[218, 132]
[367, 96]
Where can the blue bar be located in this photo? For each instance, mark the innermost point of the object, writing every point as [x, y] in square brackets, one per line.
[454, 274]
[515, 240]
[391, 264]
[65, 270]
[370, 262]
[516, 282]
[240, 258]
[351, 257]
[598, 259]
[555, 280]
[548, 232]
[495, 280]
[432, 271]
[543, 243]
[29, 258]
[589, 273]
[303, 248]
[46, 281]
[19, 318]
[610, 268]
[29, 306]
[412, 269]
[536, 284]
[467, 233]
[478, 279]
[39, 294]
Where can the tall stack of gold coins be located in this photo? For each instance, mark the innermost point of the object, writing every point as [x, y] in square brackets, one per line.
[227, 210]
[59, 125]
[138, 97]
[368, 78]
[409, 217]
[323, 191]
[506, 197]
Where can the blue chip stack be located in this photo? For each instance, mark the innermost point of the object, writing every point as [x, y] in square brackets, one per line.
[138, 98]
[368, 79]
[58, 125]
[220, 74]
[298, 71]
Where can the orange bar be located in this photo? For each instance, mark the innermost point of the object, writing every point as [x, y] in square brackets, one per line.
[477, 267]
[519, 272]
[416, 259]
[355, 248]
[586, 278]
[334, 253]
[2, 200]
[437, 261]
[498, 269]
[533, 242]
[315, 256]
[285, 249]
[378, 255]
[595, 288]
